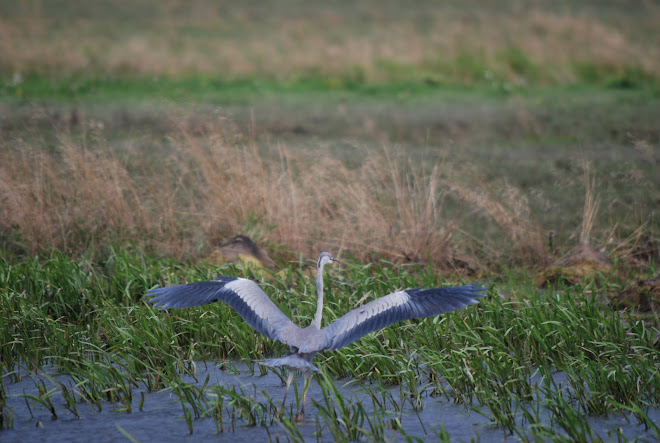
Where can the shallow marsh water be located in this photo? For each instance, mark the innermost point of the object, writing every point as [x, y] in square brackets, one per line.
[161, 416]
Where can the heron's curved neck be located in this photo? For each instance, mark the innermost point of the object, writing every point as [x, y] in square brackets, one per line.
[319, 292]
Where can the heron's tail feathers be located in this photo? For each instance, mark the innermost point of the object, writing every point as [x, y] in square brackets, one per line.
[292, 362]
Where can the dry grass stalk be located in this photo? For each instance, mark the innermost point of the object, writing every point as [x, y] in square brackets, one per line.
[68, 199]
[509, 208]
[637, 249]
[591, 204]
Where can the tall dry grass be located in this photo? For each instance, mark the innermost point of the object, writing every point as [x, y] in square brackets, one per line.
[71, 198]
[507, 207]
[208, 183]
[591, 204]
[514, 41]
[313, 202]
[630, 249]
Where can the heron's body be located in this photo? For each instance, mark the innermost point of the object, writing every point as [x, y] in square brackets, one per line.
[265, 317]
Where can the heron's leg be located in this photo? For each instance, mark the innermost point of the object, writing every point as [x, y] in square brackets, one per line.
[308, 377]
[289, 379]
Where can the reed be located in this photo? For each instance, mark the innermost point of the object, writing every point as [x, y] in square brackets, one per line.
[517, 360]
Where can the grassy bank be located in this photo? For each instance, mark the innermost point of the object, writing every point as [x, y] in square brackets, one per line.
[502, 357]
[83, 89]
[456, 43]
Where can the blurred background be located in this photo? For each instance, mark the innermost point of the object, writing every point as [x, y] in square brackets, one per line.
[469, 134]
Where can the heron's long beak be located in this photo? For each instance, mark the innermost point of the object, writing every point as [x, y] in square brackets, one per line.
[334, 259]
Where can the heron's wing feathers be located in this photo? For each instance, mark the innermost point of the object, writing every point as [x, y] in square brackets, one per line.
[245, 296]
[402, 305]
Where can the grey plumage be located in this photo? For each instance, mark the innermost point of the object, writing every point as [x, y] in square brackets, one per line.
[398, 306]
[247, 299]
[265, 317]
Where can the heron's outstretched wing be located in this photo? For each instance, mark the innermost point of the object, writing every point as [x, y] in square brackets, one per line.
[245, 296]
[402, 305]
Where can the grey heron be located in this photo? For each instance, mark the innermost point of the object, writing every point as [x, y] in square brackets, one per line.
[265, 317]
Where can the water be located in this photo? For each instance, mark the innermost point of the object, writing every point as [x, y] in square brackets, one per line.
[162, 418]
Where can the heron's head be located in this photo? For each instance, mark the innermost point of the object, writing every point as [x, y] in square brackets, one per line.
[324, 259]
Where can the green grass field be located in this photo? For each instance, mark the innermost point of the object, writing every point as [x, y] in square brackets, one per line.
[425, 145]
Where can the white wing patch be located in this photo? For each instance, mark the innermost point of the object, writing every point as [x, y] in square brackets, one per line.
[356, 323]
[382, 304]
[250, 293]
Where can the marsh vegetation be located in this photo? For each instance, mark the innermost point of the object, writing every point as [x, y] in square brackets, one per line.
[535, 363]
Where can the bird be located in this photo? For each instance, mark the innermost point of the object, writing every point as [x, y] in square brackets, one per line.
[259, 311]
